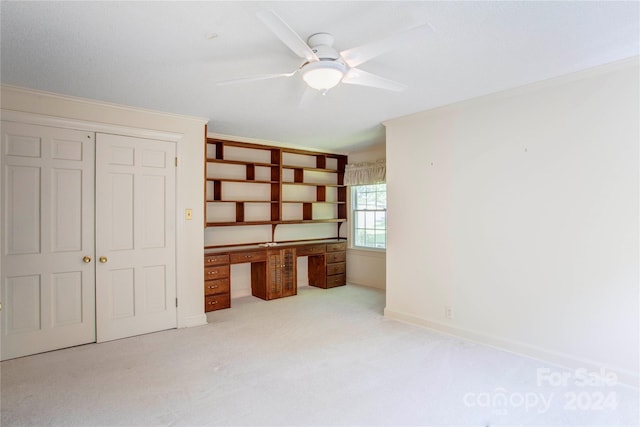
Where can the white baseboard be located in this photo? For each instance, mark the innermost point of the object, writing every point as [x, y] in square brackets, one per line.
[190, 321]
[240, 293]
[366, 285]
[559, 359]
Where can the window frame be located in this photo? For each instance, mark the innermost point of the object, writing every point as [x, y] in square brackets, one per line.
[354, 217]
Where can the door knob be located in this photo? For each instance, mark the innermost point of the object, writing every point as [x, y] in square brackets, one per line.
[86, 259]
[103, 259]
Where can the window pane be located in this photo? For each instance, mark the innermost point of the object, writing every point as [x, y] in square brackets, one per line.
[370, 219]
[371, 238]
[381, 220]
[369, 215]
[371, 200]
[361, 200]
[360, 220]
[381, 200]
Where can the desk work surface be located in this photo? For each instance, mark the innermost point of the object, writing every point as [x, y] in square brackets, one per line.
[277, 245]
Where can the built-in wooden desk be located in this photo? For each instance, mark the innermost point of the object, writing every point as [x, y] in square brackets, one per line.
[273, 269]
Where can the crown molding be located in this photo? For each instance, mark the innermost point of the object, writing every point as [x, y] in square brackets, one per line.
[61, 122]
[94, 102]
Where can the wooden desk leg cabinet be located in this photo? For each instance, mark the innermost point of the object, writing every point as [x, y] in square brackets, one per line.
[329, 270]
[275, 278]
[216, 282]
[336, 264]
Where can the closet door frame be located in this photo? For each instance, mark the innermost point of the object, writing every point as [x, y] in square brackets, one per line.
[98, 127]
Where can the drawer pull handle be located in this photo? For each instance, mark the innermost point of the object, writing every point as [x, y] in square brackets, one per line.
[212, 272]
[247, 256]
[213, 302]
[213, 287]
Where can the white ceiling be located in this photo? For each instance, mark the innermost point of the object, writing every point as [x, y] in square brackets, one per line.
[159, 55]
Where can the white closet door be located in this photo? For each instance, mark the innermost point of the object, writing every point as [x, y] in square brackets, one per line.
[47, 228]
[135, 236]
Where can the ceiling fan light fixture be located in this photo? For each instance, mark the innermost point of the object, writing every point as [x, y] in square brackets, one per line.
[323, 75]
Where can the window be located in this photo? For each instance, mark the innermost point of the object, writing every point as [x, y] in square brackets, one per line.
[369, 203]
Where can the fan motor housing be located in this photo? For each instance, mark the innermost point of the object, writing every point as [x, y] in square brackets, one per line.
[321, 44]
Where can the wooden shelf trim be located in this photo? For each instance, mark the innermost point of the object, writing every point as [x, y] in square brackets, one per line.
[306, 168]
[313, 184]
[292, 221]
[242, 181]
[281, 242]
[312, 221]
[243, 163]
[229, 143]
[234, 223]
[313, 153]
[244, 201]
[313, 201]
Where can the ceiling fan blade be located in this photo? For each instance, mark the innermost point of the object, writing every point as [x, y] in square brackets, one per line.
[254, 78]
[307, 98]
[287, 35]
[358, 77]
[361, 54]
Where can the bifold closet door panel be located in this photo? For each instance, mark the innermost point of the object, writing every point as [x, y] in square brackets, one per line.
[48, 270]
[135, 236]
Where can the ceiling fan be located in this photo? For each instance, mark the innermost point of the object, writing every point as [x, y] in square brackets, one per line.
[324, 67]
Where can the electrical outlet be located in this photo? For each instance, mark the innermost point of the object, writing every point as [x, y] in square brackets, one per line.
[448, 312]
[188, 214]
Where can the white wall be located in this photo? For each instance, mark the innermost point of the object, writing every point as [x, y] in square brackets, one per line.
[367, 267]
[190, 260]
[520, 211]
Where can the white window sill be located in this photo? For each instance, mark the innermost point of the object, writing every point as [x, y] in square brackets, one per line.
[372, 252]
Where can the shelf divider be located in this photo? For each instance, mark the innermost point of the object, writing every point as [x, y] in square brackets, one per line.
[251, 172]
[239, 211]
[219, 150]
[307, 211]
[217, 190]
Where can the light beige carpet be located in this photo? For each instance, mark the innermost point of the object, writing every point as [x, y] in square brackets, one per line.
[324, 357]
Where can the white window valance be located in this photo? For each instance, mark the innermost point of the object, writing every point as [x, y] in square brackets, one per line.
[365, 173]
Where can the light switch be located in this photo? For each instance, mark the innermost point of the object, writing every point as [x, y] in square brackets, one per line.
[188, 214]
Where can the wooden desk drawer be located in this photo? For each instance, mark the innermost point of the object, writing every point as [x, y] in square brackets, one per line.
[336, 257]
[219, 286]
[337, 280]
[335, 247]
[336, 268]
[217, 302]
[310, 250]
[249, 256]
[216, 272]
[216, 259]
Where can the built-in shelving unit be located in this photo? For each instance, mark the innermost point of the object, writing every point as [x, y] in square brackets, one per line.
[252, 184]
